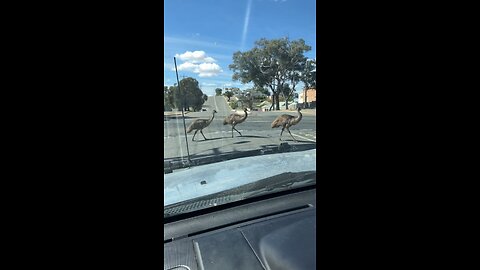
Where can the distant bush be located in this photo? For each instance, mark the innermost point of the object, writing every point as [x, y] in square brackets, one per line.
[233, 104]
[167, 107]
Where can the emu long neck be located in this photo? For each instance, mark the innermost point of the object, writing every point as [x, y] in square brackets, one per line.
[211, 119]
[298, 118]
[246, 114]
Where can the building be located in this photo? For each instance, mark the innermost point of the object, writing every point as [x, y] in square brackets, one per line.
[308, 98]
[291, 105]
[264, 106]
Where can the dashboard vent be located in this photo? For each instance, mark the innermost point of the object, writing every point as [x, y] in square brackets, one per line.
[201, 205]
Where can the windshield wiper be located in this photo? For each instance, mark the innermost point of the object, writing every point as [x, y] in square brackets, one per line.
[270, 185]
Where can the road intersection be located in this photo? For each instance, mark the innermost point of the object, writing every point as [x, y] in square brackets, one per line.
[256, 131]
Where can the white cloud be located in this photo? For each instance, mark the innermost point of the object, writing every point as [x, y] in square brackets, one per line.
[203, 70]
[195, 57]
[208, 69]
[198, 62]
[187, 66]
[209, 60]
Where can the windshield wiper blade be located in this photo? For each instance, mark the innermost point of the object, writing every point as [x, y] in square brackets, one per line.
[285, 181]
[274, 184]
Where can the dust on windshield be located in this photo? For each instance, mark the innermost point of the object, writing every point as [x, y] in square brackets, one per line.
[240, 80]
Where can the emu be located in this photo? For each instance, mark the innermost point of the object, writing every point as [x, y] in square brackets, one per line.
[235, 119]
[286, 121]
[200, 124]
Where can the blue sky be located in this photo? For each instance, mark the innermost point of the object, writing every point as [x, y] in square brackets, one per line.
[204, 34]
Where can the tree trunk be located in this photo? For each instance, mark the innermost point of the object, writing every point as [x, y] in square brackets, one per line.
[277, 101]
[290, 94]
[279, 89]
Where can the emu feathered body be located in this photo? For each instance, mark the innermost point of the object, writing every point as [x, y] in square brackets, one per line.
[235, 119]
[199, 125]
[286, 121]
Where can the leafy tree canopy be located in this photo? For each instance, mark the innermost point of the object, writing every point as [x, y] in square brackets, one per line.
[271, 63]
[228, 94]
[188, 95]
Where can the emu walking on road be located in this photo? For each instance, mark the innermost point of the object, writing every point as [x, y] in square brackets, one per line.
[200, 124]
[235, 119]
[286, 121]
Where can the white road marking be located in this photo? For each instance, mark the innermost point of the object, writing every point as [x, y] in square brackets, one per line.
[215, 101]
[304, 137]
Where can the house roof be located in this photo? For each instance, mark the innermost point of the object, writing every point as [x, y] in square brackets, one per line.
[264, 103]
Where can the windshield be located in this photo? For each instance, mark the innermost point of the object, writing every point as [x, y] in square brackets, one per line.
[239, 97]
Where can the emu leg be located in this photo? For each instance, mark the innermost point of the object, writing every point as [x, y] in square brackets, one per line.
[281, 133]
[193, 138]
[203, 135]
[291, 135]
[237, 131]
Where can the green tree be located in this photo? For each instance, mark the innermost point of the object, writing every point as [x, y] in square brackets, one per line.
[309, 76]
[235, 90]
[168, 103]
[262, 90]
[233, 104]
[247, 99]
[228, 94]
[270, 64]
[189, 95]
[294, 77]
[218, 91]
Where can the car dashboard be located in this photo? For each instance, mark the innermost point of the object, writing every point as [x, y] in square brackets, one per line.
[273, 232]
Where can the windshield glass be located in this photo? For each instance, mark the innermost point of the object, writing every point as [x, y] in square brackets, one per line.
[239, 97]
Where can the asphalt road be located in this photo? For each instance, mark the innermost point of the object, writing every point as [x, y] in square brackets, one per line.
[256, 130]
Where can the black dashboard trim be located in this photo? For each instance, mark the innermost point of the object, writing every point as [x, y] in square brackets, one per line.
[240, 214]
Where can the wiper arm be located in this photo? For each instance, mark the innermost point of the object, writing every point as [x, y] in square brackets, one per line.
[285, 181]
